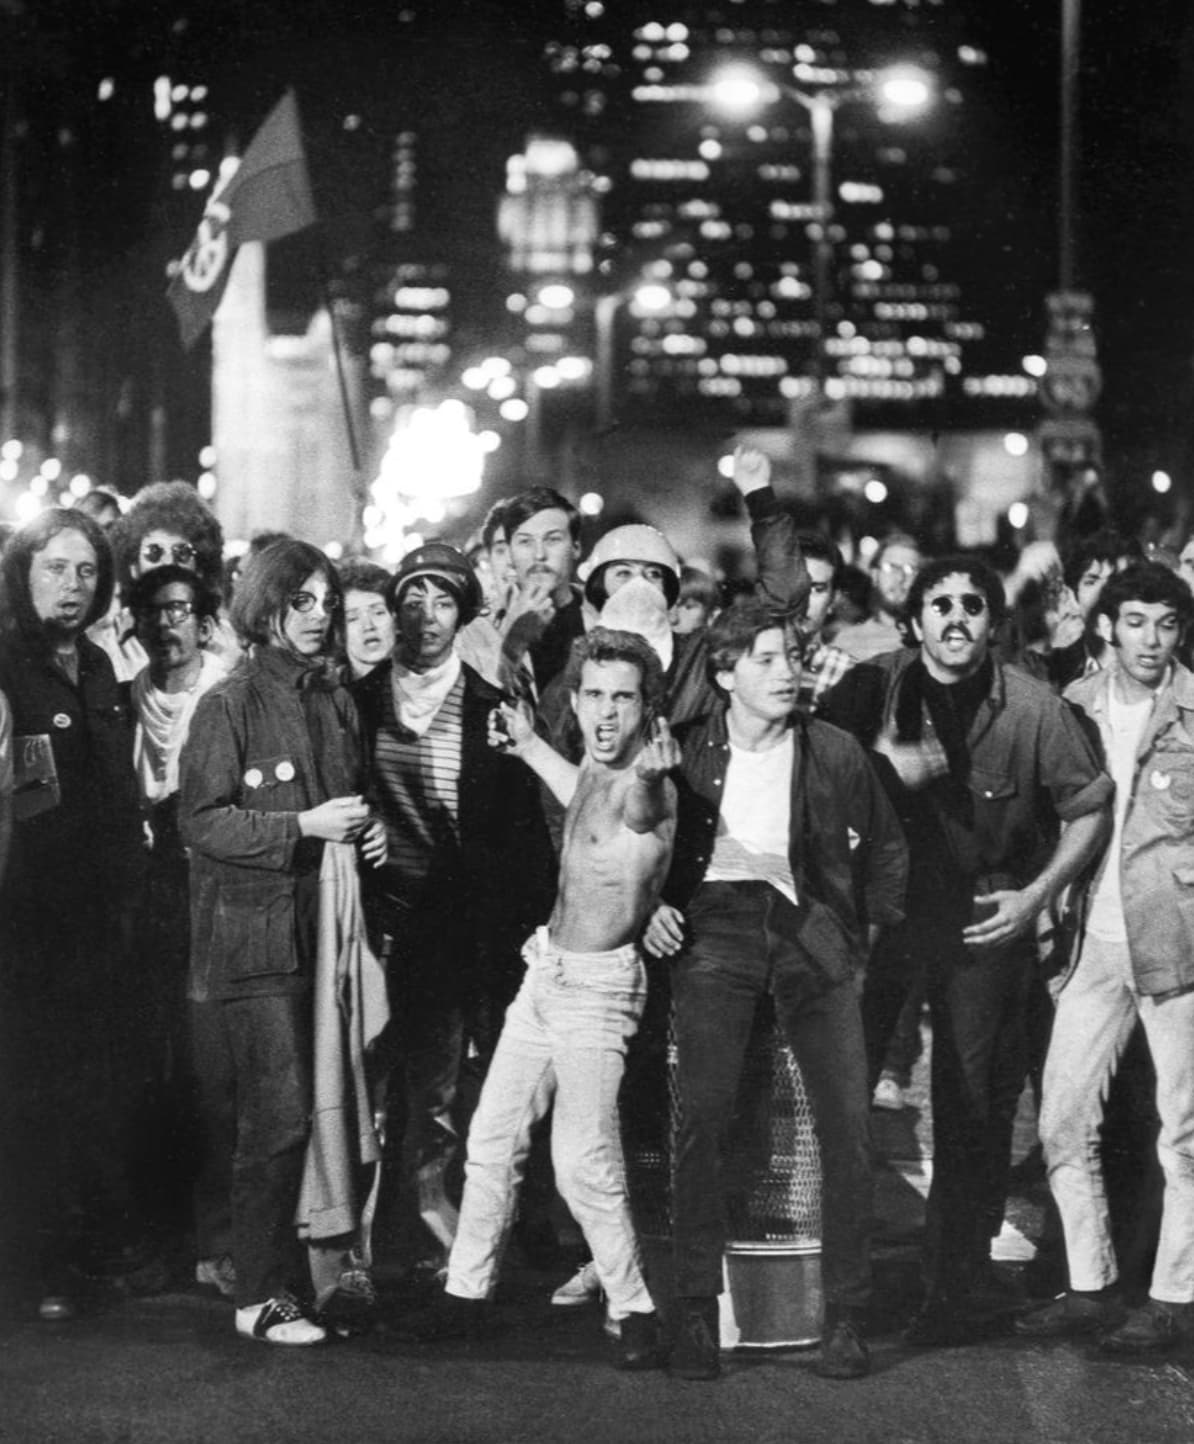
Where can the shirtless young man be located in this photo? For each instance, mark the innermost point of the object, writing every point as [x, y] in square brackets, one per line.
[566, 1032]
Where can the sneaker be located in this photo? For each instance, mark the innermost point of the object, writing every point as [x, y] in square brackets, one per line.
[696, 1352]
[844, 1355]
[584, 1287]
[1072, 1316]
[1149, 1330]
[640, 1343]
[279, 1321]
[888, 1095]
[218, 1274]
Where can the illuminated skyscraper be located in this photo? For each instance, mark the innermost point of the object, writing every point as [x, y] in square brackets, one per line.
[722, 209]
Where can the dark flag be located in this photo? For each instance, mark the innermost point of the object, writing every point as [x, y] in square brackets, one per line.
[268, 196]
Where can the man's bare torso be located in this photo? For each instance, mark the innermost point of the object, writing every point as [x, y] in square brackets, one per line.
[610, 876]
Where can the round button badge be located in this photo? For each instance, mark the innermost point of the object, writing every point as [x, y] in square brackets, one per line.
[284, 771]
[61, 720]
[254, 777]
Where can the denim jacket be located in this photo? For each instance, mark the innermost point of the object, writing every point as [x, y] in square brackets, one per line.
[1156, 855]
[247, 769]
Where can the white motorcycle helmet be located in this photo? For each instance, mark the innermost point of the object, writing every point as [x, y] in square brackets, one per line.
[635, 543]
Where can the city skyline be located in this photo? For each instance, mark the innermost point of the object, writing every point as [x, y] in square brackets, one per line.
[469, 78]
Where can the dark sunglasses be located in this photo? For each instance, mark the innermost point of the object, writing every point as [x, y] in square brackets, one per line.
[305, 602]
[182, 553]
[972, 604]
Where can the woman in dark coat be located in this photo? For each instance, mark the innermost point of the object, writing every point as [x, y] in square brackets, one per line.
[271, 772]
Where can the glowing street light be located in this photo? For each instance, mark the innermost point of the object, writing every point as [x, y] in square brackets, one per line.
[898, 91]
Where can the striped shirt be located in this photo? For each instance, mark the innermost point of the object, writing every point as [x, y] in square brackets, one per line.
[418, 780]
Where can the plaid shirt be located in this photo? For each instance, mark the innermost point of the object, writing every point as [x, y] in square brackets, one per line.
[824, 666]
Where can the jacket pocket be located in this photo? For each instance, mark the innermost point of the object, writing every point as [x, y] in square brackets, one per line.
[994, 787]
[254, 929]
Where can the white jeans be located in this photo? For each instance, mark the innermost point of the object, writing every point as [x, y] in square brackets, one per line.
[565, 1039]
[1095, 1014]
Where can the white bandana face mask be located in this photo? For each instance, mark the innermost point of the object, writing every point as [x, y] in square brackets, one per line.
[639, 606]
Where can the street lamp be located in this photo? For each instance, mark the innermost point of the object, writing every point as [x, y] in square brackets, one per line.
[650, 297]
[902, 90]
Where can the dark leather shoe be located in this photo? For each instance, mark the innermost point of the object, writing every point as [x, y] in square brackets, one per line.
[1071, 1316]
[696, 1352]
[1152, 1329]
[639, 1345]
[844, 1355]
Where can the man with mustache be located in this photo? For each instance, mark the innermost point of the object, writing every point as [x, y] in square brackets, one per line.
[175, 613]
[1003, 803]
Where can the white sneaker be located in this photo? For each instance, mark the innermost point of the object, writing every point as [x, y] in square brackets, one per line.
[583, 1287]
[279, 1321]
[217, 1273]
[888, 1094]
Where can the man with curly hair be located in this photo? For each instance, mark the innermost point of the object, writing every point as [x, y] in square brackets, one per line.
[167, 524]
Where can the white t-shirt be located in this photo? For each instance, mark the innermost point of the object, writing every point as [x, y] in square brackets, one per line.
[1126, 722]
[754, 828]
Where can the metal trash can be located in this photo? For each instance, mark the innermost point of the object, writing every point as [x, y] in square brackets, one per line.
[772, 1262]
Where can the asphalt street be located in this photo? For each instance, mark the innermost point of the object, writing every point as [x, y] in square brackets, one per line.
[169, 1369]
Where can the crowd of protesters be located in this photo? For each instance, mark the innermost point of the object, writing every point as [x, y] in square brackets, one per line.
[333, 896]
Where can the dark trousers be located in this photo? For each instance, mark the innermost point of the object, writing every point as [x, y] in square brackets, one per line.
[744, 943]
[977, 1009]
[253, 1065]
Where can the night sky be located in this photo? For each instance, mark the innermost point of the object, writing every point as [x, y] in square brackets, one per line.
[473, 83]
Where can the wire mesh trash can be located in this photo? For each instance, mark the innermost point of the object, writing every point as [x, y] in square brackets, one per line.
[772, 1261]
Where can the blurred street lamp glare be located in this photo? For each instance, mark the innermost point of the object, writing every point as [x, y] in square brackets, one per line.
[515, 409]
[1017, 515]
[556, 296]
[1035, 365]
[652, 297]
[875, 491]
[905, 88]
[1015, 443]
[1161, 482]
[592, 503]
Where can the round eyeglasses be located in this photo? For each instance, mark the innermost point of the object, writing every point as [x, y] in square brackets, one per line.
[181, 553]
[972, 604]
[305, 602]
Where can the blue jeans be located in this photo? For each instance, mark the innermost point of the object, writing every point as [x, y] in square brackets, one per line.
[564, 1042]
[744, 941]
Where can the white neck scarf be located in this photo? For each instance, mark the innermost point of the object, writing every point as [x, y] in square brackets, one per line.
[418, 696]
[163, 721]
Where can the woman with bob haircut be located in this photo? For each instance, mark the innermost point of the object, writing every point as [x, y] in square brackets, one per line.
[272, 770]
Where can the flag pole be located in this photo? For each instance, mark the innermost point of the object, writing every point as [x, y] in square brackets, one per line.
[350, 428]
